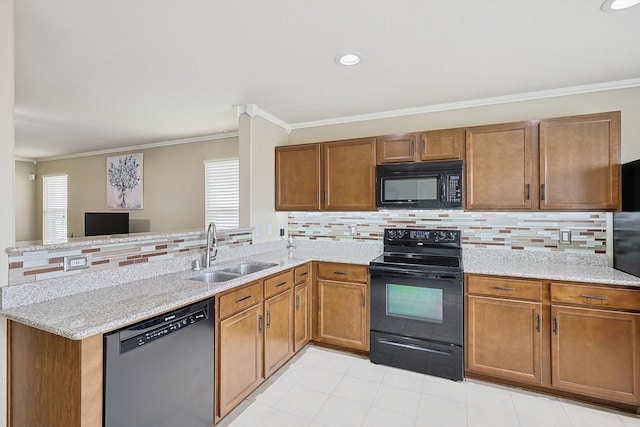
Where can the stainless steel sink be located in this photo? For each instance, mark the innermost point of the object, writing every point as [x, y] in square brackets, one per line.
[248, 267]
[232, 272]
[215, 276]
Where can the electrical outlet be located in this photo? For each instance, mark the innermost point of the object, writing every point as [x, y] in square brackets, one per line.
[565, 237]
[281, 232]
[76, 262]
[269, 229]
[353, 230]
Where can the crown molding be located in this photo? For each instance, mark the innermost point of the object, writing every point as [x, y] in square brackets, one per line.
[24, 159]
[253, 110]
[211, 137]
[527, 96]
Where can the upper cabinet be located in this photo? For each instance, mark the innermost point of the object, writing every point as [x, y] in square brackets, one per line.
[570, 163]
[298, 178]
[580, 162]
[416, 147]
[499, 172]
[336, 176]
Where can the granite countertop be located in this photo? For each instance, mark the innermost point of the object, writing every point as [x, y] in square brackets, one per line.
[98, 311]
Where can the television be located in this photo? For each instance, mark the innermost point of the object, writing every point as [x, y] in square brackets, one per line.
[105, 223]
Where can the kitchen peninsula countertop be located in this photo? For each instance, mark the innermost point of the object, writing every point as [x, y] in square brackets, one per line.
[98, 311]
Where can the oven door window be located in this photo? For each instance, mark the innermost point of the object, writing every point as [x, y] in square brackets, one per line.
[412, 302]
[414, 188]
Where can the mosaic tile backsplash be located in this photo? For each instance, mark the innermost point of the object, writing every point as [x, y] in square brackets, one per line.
[537, 231]
[37, 265]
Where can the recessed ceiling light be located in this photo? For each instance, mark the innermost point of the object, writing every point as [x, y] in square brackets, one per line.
[351, 58]
[614, 5]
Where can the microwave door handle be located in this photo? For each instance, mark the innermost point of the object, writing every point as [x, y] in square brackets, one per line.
[442, 189]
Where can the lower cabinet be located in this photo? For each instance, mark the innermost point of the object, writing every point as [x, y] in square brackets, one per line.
[240, 356]
[302, 304]
[579, 339]
[255, 336]
[342, 305]
[504, 338]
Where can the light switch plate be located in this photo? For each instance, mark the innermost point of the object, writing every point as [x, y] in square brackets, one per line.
[565, 237]
[76, 262]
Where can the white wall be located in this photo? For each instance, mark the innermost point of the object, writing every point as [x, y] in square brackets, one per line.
[25, 201]
[7, 174]
[625, 100]
[258, 138]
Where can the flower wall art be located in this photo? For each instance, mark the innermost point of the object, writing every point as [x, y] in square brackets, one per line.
[124, 181]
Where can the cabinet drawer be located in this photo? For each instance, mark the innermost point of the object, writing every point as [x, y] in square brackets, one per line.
[343, 272]
[301, 274]
[512, 288]
[277, 284]
[595, 296]
[237, 301]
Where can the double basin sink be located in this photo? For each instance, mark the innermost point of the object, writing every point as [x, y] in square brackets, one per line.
[233, 272]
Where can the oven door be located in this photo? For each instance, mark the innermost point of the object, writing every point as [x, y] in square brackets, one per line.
[416, 304]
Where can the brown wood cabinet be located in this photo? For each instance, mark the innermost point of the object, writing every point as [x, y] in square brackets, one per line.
[53, 381]
[414, 147]
[503, 329]
[575, 339]
[569, 163]
[332, 176]
[595, 352]
[298, 178]
[256, 341]
[499, 167]
[342, 305]
[349, 175]
[580, 162]
[240, 355]
[302, 306]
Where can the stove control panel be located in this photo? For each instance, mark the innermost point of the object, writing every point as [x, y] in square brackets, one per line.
[408, 236]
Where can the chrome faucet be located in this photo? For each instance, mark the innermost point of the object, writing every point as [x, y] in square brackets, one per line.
[212, 240]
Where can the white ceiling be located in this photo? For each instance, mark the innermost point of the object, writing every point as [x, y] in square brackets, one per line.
[100, 74]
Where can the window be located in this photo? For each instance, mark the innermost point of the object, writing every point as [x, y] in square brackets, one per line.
[222, 188]
[54, 208]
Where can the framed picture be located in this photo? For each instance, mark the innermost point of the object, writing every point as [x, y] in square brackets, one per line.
[124, 182]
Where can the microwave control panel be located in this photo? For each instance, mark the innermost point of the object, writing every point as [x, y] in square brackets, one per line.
[454, 188]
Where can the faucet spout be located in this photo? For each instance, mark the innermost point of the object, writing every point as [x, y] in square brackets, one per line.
[212, 241]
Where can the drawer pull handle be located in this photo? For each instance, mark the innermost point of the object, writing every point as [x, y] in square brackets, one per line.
[555, 325]
[598, 297]
[364, 303]
[342, 273]
[504, 288]
[539, 316]
[528, 191]
[281, 284]
[268, 319]
[243, 298]
[297, 302]
[304, 274]
[260, 323]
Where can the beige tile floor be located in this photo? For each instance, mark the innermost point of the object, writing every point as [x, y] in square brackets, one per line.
[323, 388]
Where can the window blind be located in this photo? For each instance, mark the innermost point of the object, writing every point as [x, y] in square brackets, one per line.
[222, 188]
[54, 208]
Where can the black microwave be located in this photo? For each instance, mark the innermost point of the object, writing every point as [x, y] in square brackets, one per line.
[422, 185]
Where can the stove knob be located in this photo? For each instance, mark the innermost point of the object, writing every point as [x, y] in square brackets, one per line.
[452, 235]
[392, 234]
[401, 234]
[442, 235]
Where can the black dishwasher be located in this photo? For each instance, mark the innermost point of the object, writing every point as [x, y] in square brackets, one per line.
[160, 372]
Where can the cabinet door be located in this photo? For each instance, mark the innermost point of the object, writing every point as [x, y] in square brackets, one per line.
[349, 180]
[596, 352]
[278, 331]
[498, 167]
[342, 314]
[240, 368]
[298, 177]
[580, 162]
[442, 145]
[504, 338]
[302, 316]
[396, 148]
